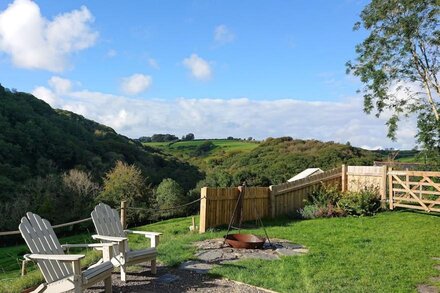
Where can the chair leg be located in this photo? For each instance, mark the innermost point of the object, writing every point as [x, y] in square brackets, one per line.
[108, 285]
[123, 274]
[153, 267]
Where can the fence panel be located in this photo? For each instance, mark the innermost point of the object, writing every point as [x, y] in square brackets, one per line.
[289, 197]
[217, 205]
[372, 177]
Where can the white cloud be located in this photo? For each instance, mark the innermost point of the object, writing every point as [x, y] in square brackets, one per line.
[136, 83]
[200, 68]
[46, 95]
[223, 35]
[111, 53]
[153, 63]
[34, 42]
[60, 85]
[215, 118]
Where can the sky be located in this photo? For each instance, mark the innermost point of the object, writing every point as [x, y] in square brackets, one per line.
[213, 68]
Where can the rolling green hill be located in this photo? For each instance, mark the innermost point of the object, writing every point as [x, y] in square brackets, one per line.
[38, 144]
[230, 162]
[201, 152]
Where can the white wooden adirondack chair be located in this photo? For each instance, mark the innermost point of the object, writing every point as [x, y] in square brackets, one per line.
[109, 229]
[61, 271]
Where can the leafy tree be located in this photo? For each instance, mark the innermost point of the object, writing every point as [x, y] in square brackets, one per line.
[170, 194]
[123, 182]
[144, 139]
[82, 190]
[163, 137]
[204, 148]
[399, 58]
[189, 136]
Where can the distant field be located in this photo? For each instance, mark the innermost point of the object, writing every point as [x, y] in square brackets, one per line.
[222, 148]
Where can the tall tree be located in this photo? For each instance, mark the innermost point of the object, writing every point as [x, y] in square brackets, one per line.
[398, 61]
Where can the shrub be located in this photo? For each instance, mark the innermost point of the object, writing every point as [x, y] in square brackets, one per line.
[170, 194]
[323, 203]
[363, 203]
[309, 211]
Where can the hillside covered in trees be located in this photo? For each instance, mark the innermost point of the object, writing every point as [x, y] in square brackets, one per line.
[272, 161]
[39, 145]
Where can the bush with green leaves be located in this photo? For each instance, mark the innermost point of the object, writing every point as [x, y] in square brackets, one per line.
[170, 194]
[329, 201]
[324, 200]
[365, 202]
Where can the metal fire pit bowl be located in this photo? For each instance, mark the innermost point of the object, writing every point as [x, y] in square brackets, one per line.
[248, 241]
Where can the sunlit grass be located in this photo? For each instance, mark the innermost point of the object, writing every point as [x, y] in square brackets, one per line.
[390, 252]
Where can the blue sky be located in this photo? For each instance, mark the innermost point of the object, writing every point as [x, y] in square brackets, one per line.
[241, 68]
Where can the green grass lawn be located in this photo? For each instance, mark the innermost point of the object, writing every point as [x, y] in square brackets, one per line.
[390, 252]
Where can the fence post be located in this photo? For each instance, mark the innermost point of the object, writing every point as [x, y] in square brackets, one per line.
[383, 187]
[124, 214]
[390, 188]
[203, 199]
[344, 178]
[273, 212]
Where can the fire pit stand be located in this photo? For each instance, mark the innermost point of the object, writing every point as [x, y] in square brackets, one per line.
[244, 240]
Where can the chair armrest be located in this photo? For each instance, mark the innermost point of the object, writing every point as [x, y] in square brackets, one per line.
[60, 257]
[106, 248]
[143, 232]
[87, 245]
[154, 236]
[110, 238]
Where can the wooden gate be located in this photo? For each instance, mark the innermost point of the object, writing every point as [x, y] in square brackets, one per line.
[418, 190]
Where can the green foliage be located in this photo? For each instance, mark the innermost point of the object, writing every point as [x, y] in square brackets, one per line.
[309, 211]
[329, 201]
[203, 149]
[323, 203]
[429, 136]
[399, 57]
[363, 203]
[125, 182]
[39, 144]
[169, 194]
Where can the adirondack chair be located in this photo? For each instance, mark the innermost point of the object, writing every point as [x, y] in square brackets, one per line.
[61, 271]
[109, 229]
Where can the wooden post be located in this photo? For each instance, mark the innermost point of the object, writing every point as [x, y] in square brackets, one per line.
[344, 178]
[124, 214]
[273, 211]
[383, 187]
[203, 202]
[390, 188]
[23, 267]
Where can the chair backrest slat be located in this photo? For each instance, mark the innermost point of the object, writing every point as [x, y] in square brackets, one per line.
[41, 239]
[106, 221]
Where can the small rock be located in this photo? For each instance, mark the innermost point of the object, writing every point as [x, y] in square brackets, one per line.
[197, 267]
[288, 252]
[435, 279]
[168, 278]
[426, 289]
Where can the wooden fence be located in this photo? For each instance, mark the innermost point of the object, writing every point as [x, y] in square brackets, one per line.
[288, 197]
[217, 204]
[356, 178]
[407, 189]
[418, 190]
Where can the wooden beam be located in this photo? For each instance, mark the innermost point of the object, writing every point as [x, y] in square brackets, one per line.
[203, 200]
